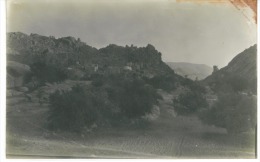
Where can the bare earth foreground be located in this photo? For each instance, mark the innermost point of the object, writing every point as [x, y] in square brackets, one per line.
[169, 136]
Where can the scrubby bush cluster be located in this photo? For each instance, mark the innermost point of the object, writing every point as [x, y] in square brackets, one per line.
[134, 97]
[189, 102]
[235, 108]
[47, 72]
[72, 110]
[233, 111]
[230, 83]
[114, 103]
[192, 100]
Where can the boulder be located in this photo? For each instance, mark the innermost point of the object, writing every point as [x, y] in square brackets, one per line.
[16, 73]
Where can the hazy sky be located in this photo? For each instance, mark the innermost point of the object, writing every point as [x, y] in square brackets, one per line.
[205, 33]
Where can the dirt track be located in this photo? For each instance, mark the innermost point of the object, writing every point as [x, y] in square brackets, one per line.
[169, 136]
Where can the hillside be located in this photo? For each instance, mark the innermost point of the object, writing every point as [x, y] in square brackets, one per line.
[82, 60]
[190, 70]
[69, 99]
[242, 66]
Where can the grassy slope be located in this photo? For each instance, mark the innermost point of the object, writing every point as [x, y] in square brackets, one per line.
[169, 136]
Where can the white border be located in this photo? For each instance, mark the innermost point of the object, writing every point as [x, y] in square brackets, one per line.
[2, 78]
[3, 101]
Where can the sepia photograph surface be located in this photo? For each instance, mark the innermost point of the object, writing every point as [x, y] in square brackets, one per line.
[131, 79]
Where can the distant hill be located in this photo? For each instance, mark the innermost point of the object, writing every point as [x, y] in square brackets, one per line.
[192, 71]
[242, 66]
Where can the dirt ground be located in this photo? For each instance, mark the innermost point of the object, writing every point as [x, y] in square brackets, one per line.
[169, 136]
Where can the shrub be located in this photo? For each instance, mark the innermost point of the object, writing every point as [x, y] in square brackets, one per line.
[235, 112]
[230, 83]
[117, 103]
[137, 99]
[48, 73]
[73, 110]
[133, 96]
[189, 102]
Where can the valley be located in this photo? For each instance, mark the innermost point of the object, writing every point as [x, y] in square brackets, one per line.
[66, 99]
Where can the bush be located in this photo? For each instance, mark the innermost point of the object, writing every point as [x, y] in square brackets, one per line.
[229, 84]
[48, 73]
[189, 102]
[133, 97]
[111, 104]
[237, 83]
[137, 99]
[235, 112]
[73, 110]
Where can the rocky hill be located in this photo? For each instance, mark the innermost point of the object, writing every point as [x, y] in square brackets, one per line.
[190, 70]
[242, 66]
[80, 60]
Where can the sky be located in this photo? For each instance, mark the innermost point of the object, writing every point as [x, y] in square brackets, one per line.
[202, 33]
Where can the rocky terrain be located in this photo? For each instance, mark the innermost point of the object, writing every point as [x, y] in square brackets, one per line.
[113, 78]
[72, 54]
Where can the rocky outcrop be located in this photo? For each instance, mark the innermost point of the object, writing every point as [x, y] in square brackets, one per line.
[69, 52]
[37, 44]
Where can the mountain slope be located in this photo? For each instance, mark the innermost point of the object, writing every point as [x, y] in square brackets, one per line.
[242, 66]
[192, 71]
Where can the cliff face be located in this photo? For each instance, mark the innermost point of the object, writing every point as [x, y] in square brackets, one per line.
[243, 65]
